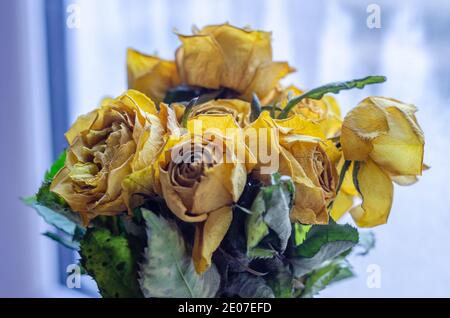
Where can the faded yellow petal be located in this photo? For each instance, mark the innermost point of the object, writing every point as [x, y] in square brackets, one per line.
[209, 235]
[179, 111]
[224, 127]
[243, 52]
[151, 75]
[83, 123]
[138, 101]
[266, 78]
[239, 109]
[361, 125]
[332, 122]
[200, 61]
[376, 190]
[300, 126]
[367, 120]
[217, 123]
[404, 180]
[347, 185]
[309, 201]
[262, 140]
[174, 202]
[401, 150]
[211, 192]
[169, 119]
[119, 169]
[149, 144]
[341, 205]
[354, 147]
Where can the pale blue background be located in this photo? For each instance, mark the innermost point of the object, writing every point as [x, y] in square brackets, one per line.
[324, 40]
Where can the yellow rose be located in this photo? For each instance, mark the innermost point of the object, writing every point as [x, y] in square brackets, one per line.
[240, 110]
[151, 75]
[309, 159]
[106, 145]
[225, 56]
[383, 136]
[201, 177]
[325, 112]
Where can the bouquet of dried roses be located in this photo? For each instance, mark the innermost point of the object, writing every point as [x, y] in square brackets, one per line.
[207, 178]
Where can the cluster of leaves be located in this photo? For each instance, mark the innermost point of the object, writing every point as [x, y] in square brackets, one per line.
[264, 255]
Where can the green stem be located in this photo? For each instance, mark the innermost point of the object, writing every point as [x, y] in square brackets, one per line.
[335, 88]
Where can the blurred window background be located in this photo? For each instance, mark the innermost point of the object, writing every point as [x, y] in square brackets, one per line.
[63, 56]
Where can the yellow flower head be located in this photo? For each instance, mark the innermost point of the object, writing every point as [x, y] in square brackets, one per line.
[226, 56]
[106, 145]
[309, 159]
[201, 177]
[384, 137]
[326, 111]
[238, 109]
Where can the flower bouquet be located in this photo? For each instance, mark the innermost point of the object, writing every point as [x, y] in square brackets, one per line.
[207, 178]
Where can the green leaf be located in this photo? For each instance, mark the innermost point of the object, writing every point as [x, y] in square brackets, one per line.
[256, 228]
[168, 271]
[70, 244]
[329, 273]
[323, 242]
[56, 166]
[300, 232]
[270, 210]
[109, 260]
[278, 207]
[335, 88]
[282, 282]
[50, 199]
[246, 285]
[63, 219]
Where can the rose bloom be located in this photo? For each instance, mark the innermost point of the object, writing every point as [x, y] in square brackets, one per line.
[106, 145]
[209, 59]
[384, 137]
[201, 177]
[309, 159]
[226, 56]
[325, 112]
[238, 109]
